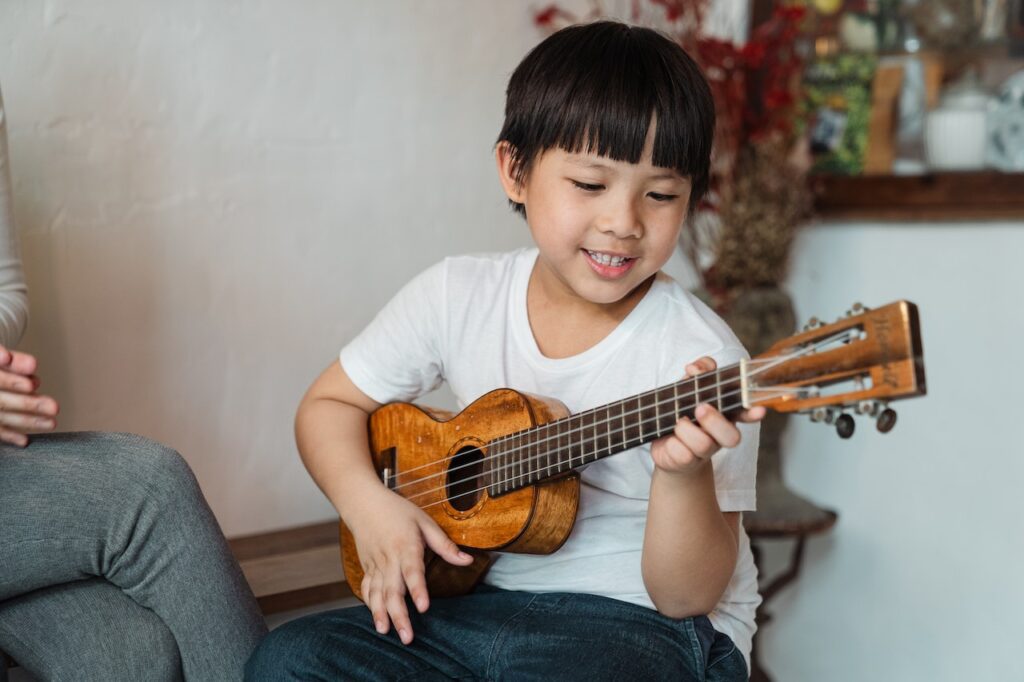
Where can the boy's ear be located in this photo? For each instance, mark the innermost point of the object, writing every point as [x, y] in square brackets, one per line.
[504, 155]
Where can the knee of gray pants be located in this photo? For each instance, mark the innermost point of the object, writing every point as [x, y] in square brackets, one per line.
[164, 468]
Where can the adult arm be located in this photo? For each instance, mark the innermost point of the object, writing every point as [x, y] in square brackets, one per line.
[13, 292]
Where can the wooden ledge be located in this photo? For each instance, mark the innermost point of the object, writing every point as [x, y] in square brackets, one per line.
[982, 195]
[293, 568]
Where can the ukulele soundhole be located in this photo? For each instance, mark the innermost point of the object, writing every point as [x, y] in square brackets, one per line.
[463, 488]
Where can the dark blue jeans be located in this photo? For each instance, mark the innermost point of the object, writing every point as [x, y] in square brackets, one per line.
[501, 635]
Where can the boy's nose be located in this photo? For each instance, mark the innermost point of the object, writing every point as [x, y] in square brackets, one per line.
[622, 219]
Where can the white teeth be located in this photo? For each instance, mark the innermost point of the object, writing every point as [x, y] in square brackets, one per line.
[605, 259]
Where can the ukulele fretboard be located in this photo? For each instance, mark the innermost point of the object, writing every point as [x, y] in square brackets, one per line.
[557, 447]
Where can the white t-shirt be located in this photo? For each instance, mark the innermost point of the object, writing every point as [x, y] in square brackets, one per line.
[465, 321]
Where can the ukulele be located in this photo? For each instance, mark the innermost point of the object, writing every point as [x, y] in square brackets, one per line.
[501, 475]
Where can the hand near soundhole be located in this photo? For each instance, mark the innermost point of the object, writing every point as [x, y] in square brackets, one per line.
[690, 447]
[391, 534]
[22, 410]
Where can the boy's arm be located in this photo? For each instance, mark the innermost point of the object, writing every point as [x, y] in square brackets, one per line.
[690, 545]
[330, 430]
[390, 532]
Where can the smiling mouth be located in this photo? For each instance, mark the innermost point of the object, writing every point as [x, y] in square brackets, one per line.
[608, 259]
[608, 266]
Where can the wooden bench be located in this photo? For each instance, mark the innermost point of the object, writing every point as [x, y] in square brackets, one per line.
[293, 568]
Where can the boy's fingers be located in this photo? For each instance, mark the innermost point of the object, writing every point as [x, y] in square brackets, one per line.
[375, 601]
[700, 366]
[675, 449]
[754, 414]
[439, 541]
[394, 602]
[412, 573]
[694, 438]
[717, 426]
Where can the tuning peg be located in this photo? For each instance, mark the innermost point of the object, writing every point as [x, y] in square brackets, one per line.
[813, 323]
[823, 414]
[886, 420]
[869, 408]
[856, 309]
[845, 425]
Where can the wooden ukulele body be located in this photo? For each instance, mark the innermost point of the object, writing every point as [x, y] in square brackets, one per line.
[418, 450]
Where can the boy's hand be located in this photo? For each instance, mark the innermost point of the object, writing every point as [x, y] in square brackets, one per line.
[690, 447]
[391, 533]
[21, 409]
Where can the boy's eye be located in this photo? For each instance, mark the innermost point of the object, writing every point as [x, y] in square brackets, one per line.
[662, 197]
[587, 187]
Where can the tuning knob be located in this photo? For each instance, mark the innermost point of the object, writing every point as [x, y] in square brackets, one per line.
[845, 425]
[813, 323]
[886, 420]
[856, 309]
[868, 407]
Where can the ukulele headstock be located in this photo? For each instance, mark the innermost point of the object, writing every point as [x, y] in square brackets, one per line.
[857, 364]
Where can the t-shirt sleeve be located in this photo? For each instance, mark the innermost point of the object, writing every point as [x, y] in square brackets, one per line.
[736, 468]
[399, 355]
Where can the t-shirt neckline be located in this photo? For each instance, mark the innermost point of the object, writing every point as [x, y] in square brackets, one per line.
[600, 350]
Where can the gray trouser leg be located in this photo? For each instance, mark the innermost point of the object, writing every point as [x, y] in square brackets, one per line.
[119, 507]
[96, 650]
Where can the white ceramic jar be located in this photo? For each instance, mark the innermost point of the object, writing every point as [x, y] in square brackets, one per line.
[956, 132]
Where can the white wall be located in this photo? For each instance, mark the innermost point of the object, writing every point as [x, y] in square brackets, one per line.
[921, 578]
[213, 196]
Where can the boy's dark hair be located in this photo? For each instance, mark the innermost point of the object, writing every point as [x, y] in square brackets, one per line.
[596, 87]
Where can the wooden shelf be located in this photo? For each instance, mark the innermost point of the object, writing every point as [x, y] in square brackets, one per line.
[983, 195]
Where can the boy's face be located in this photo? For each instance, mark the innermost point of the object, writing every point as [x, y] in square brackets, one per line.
[603, 227]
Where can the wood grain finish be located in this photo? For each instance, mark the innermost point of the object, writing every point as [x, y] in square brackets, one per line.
[984, 195]
[292, 568]
[501, 475]
[886, 355]
[424, 451]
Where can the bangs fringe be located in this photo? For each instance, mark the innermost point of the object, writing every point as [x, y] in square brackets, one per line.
[598, 88]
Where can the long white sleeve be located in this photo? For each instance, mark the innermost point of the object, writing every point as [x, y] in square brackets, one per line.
[13, 292]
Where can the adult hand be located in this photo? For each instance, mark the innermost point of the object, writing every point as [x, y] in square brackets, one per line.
[22, 409]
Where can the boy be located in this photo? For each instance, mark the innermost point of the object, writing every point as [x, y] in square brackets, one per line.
[605, 147]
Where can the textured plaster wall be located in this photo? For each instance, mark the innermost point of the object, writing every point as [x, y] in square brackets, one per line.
[213, 196]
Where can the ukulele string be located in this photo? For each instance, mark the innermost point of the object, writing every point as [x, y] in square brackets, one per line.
[520, 463]
[763, 365]
[476, 490]
[554, 425]
[548, 426]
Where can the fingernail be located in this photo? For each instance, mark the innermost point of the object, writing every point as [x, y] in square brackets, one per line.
[380, 627]
[404, 635]
[701, 410]
[463, 555]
